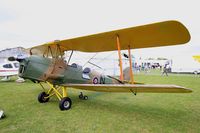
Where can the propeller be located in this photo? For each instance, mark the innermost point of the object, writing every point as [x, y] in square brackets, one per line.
[19, 58]
[11, 58]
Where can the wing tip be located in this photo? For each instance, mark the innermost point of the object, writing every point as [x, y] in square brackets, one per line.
[184, 90]
[186, 33]
[188, 90]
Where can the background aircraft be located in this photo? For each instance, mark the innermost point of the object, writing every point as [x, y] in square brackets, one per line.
[46, 63]
[8, 69]
[197, 58]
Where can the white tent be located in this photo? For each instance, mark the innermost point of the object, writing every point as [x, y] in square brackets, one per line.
[185, 64]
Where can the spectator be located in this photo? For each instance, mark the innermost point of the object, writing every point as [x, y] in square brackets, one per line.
[165, 70]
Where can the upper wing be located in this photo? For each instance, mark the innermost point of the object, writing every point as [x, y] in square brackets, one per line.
[130, 88]
[152, 35]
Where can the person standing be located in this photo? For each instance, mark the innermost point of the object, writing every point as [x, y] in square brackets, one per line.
[165, 70]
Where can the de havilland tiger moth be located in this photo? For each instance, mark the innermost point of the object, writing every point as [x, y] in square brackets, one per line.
[47, 65]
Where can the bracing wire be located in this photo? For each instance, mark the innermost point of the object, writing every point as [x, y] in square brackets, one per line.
[90, 59]
[105, 58]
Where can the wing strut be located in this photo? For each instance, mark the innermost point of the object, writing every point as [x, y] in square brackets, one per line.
[120, 58]
[130, 62]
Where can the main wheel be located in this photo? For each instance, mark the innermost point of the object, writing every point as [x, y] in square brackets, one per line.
[42, 97]
[65, 103]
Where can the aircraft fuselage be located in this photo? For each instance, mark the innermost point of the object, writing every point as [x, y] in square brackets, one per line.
[56, 71]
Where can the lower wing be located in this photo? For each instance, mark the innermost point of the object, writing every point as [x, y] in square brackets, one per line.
[130, 88]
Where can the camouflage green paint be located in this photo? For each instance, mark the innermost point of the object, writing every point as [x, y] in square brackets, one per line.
[56, 71]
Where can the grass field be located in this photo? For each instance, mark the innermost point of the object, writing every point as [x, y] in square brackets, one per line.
[103, 112]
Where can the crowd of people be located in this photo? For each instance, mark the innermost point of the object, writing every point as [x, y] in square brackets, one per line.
[147, 67]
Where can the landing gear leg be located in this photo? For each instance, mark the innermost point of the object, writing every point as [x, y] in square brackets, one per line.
[60, 92]
[82, 97]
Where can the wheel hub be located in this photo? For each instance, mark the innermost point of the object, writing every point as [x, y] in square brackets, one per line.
[66, 104]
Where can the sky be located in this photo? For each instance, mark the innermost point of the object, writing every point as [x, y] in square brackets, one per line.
[30, 23]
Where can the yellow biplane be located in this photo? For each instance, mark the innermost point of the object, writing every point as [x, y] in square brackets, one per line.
[46, 63]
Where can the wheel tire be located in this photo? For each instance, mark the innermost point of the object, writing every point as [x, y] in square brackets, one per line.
[85, 97]
[41, 97]
[81, 96]
[65, 103]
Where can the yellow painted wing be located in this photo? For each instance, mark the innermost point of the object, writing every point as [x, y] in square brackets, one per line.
[197, 58]
[130, 88]
[151, 35]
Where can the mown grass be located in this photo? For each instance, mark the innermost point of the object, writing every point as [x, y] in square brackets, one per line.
[103, 112]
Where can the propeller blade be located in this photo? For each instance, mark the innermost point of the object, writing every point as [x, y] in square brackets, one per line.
[11, 58]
